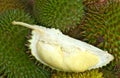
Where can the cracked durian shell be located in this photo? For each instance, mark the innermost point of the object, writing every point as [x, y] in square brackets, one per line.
[61, 52]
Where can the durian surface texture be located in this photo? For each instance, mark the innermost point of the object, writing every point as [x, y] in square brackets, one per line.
[14, 61]
[101, 27]
[61, 14]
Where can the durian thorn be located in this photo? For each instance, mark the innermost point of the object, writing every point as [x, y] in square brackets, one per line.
[27, 25]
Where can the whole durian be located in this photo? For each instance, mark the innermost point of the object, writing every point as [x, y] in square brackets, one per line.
[61, 14]
[14, 62]
[101, 27]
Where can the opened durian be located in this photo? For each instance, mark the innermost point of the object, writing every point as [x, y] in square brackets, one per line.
[61, 52]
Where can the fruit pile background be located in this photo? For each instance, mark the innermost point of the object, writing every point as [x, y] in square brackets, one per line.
[96, 22]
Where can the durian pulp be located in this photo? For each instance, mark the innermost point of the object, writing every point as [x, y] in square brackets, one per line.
[54, 55]
[62, 52]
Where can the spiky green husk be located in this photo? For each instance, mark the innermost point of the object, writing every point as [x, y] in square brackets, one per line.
[61, 14]
[87, 74]
[14, 62]
[101, 27]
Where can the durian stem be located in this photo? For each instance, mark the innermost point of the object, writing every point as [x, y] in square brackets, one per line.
[25, 25]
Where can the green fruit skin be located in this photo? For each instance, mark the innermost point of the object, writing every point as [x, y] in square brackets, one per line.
[14, 62]
[60, 14]
[101, 27]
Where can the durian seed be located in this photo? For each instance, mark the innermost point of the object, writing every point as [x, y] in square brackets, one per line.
[61, 52]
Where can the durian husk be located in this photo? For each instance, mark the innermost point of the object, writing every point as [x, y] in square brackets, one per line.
[101, 27]
[62, 15]
[14, 62]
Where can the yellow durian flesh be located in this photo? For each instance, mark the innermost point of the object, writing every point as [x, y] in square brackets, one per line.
[56, 58]
[61, 52]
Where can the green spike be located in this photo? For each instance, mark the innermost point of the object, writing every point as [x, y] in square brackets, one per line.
[14, 62]
[58, 14]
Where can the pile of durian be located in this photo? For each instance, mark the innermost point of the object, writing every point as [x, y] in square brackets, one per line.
[59, 39]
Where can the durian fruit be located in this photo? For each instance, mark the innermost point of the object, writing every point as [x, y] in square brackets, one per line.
[88, 74]
[14, 61]
[13, 4]
[61, 14]
[64, 53]
[101, 27]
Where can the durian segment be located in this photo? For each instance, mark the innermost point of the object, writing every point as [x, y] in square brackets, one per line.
[61, 59]
[57, 58]
[62, 52]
